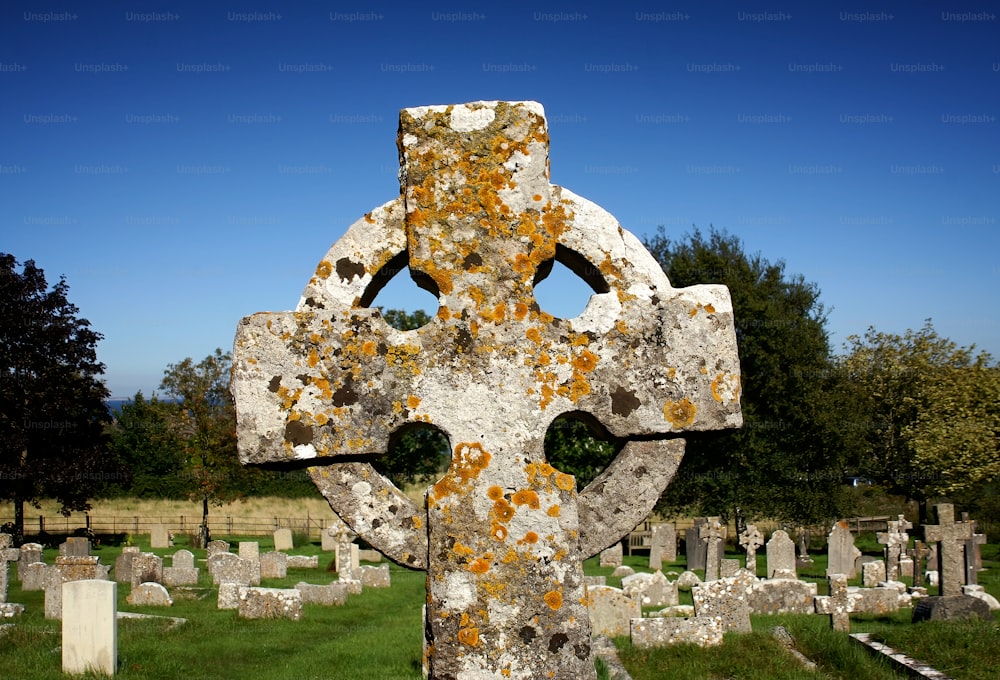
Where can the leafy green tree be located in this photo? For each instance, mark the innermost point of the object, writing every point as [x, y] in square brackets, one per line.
[150, 449]
[52, 401]
[203, 418]
[579, 447]
[934, 413]
[787, 462]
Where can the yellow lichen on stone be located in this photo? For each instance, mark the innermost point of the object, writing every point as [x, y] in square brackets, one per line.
[679, 413]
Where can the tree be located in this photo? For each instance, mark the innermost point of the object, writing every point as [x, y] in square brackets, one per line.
[149, 447]
[934, 413]
[203, 418]
[787, 461]
[579, 447]
[52, 401]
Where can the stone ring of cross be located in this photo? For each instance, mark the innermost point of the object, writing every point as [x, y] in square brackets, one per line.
[502, 534]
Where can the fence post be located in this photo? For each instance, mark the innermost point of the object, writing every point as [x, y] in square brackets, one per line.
[229, 525]
[41, 524]
[135, 525]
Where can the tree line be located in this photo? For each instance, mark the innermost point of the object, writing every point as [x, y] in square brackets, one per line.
[915, 414]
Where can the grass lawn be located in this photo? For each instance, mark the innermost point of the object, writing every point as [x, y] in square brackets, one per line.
[377, 635]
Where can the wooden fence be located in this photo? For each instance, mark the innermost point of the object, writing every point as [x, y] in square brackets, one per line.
[218, 525]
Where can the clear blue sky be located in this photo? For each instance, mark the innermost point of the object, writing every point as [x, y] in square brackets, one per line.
[186, 164]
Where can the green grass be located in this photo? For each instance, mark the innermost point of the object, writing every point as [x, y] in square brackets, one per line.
[378, 635]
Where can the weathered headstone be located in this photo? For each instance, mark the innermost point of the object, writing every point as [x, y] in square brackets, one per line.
[147, 568]
[694, 548]
[651, 590]
[703, 631]
[375, 577]
[662, 545]
[270, 603]
[918, 553]
[283, 539]
[610, 610]
[726, 600]
[181, 571]
[216, 547]
[951, 608]
[348, 561]
[841, 553]
[478, 223]
[751, 539]
[274, 565]
[303, 561]
[159, 537]
[950, 537]
[782, 597]
[33, 576]
[89, 612]
[780, 555]
[838, 604]
[873, 573]
[611, 557]
[331, 594]
[75, 546]
[231, 568]
[973, 555]
[29, 554]
[123, 564]
[68, 568]
[149, 595]
[895, 539]
[803, 538]
[712, 534]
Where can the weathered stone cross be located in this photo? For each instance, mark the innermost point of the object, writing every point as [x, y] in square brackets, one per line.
[918, 553]
[503, 534]
[712, 533]
[838, 604]
[751, 539]
[950, 537]
[895, 540]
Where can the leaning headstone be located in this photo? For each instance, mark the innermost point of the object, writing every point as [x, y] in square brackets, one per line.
[270, 603]
[283, 539]
[841, 551]
[75, 546]
[159, 537]
[216, 547]
[149, 595]
[663, 632]
[612, 557]
[726, 600]
[147, 568]
[89, 612]
[478, 222]
[950, 537]
[951, 608]
[873, 573]
[330, 595]
[780, 555]
[375, 577]
[274, 565]
[123, 564]
[610, 610]
[750, 540]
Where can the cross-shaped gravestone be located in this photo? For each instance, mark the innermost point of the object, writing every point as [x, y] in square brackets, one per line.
[895, 540]
[751, 539]
[950, 537]
[838, 604]
[919, 553]
[712, 533]
[503, 534]
[973, 558]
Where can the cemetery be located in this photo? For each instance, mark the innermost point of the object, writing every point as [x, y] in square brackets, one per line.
[505, 568]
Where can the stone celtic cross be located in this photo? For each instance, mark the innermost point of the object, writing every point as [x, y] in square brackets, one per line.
[751, 539]
[895, 539]
[503, 534]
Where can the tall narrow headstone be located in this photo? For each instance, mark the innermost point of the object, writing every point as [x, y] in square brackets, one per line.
[662, 545]
[694, 548]
[89, 627]
[781, 555]
[918, 553]
[841, 553]
[950, 537]
[751, 539]
[29, 554]
[503, 534]
[895, 539]
[159, 537]
[712, 533]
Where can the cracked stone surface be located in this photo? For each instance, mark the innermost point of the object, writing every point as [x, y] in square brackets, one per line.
[503, 534]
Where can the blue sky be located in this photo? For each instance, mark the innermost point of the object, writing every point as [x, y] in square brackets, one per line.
[187, 164]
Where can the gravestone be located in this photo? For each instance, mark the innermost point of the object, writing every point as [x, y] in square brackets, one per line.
[895, 539]
[147, 568]
[328, 541]
[841, 553]
[69, 568]
[611, 557]
[75, 546]
[283, 539]
[662, 632]
[123, 564]
[803, 538]
[149, 594]
[780, 555]
[270, 603]
[348, 561]
[89, 612]
[331, 594]
[274, 565]
[231, 568]
[662, 545]
[478, 223]
[838, 604]
[181, 571]
[751, 539]
[973, 555]
[216, 547]
[873, 573]
[782, 597]
[694, 548]
[303, 561]
[33, 576]
[726, 600]
[651, 590]
[375, 577]
[950, 537]
[712, 534]
[159, 537]
[610, 610]
[29, 554]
